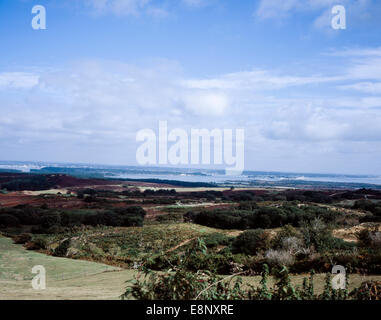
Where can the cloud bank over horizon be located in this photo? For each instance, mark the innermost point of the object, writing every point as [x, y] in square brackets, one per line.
[311, 113]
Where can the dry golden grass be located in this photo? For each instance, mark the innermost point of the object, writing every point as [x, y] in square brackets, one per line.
[349, 234]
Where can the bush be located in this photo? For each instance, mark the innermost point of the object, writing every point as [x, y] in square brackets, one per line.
[125, 217]
[26, 215]
[216, 239]
[221, 219]
[61, 250]
[369, 290]
[375, 238]
[279, 258]
[132, 221]
[292, 244]
[215, 262]
[366, 205]
[369, 239]
[316, 234]
[183, 285]
[289, 249]
[370, 218]
[286, 232]
[7, 220]
[70, 220]
[248, 205]
[38, 243]
[170, 217]
[131, 216]
[261, 217]
[251, 242]
[22, 238]
[50, 220]
[370, 206]
[180, 284]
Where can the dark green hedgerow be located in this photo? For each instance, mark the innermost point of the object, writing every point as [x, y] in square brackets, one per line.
[53, 221]
[262, 217]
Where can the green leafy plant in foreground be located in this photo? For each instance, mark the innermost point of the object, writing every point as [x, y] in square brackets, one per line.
[180, 284]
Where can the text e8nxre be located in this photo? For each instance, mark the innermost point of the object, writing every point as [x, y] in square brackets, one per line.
[211, 309]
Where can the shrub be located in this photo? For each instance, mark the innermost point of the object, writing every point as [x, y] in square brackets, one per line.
[369, 290]
[283, 288]
[50, 220]
[132, 221]
[215, 239]
[126, 217]
[262, 217]
[369, 238]
[286, 232]
[62, 249]
[319, 236]
[183, 285]
[37, 243]
[70, 220]
[370, 218]
[7, 220]
[334, 294]
[242, 196]
[366, 205]
[292, 244]
[131, 216]
[170, 217]
[279, 258]
[22, 238]
[375, 238]
[251, 242]
[162, 262]
[248, 205]
[303, 253]
[214, 262]
[221, 219]
[180, 284]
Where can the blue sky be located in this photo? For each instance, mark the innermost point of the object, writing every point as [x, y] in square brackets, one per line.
[308, 96]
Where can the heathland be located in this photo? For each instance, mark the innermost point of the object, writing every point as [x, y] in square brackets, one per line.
[92, 235]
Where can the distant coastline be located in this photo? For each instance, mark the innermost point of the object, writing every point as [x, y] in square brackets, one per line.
[201, 176]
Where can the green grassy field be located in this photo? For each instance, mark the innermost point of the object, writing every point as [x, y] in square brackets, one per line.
[66, 278]
[16, 264]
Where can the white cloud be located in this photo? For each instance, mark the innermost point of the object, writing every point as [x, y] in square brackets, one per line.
[18, 80]
[369, 68]
[363, 64]
[258, 80]
[211, 104]
[125, 7]
[367, 87]
[155, 8]
[357, 10]
[284, 8]
[96, 107]
[99, 96]
[276, 8]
